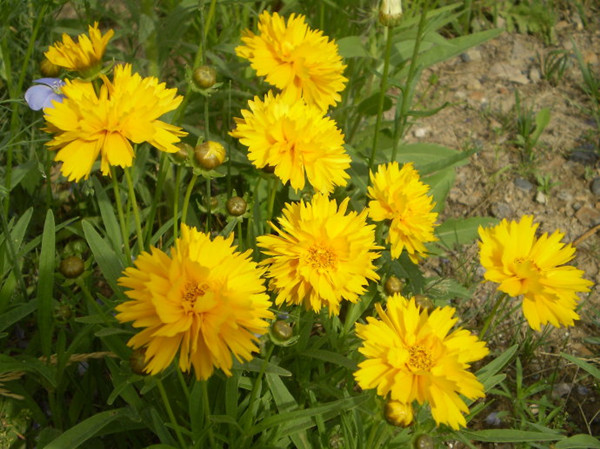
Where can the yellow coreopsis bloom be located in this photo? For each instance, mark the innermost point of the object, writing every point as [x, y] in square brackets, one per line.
[295, 58]
[413, 356]
[125, 110]
[321, 256]
[206, 302]
[296, 139]
[82, 56]
[524, 265]
[398, 195]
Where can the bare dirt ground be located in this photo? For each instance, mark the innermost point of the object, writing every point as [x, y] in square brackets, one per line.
[480, 85]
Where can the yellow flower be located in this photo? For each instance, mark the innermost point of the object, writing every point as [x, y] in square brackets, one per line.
[295, 58]
[321, 256]
[413, 356]
[82, 56]
[296, 139]
[533, 267]
[398, 195]
[205, 302]
[127, 109]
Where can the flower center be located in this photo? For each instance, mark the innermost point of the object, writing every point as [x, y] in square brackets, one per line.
[191, 292]
[321, 257]
[419, 358]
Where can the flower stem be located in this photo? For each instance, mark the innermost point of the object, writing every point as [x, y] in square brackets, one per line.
[186, 200]
[492, 314]
[165, 399]
[124, 233]
[407, 94]
[136, 212]
[206, 403]
[208, 206]
[250, 412]
[382, 91]
[164, 165]
[176, 202]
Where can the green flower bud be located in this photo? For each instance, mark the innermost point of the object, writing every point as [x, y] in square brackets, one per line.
[390, 12]
[425, 303]
[424, 442]
[282, 330]
[209, 155]
[71, 267]
[204, 76]
[137, 361]
[49, 69]
[393, 285]
[236, 206]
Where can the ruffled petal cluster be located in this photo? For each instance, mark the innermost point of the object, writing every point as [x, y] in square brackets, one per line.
[82, 55]
[525, 265]
[87, 124]
[203, 303]
[296, 139]
[295, 58]
[412, 355]
[322, 255]
[398, 196]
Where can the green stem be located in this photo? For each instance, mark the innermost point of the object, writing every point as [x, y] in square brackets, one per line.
[165, 399]
[240, 236]
[136, 212]
[186, 200]
[121, 214]
[273, 183]
[382, 91]
[162, 175]
[491, 316]
[206, 404]
[250, 412]
[409, 85]
[208, 206]
[12, 255]
[176, 202]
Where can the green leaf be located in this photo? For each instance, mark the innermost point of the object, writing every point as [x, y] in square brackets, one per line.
[291, 419]
[16, 314]
[492, 368]
[542, 118]
[581, 441]
[331, 357]
[113, 231]
[352, 47]
[28, 364]
[85, 430]
[461, 231]
[20, 172]
[510, 436]
[370, 105]
[46, 284]
[108, 261]
[583, 365]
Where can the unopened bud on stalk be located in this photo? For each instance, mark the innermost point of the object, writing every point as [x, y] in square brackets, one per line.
[236, 206]
[282, 330]
[398, 413]
[137, 361]
[424, 442]
[424, 303]
[392, 285]
[204, 76]
[209, 155]
[390, 12]
[71, 267]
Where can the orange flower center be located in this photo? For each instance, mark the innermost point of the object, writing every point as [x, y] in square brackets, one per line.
[419, 358]
[321, 257]
[192, 291]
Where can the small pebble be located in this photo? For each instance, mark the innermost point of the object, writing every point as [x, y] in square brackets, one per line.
[493, 419]
[583, 390]
[560, 390]
[523, 184]
[501, 210]
[584, 155]
[420, 132]
[596, 186]
[541, 198]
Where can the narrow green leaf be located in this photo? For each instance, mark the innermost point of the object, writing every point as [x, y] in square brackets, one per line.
[86, 429]
[46, 284]
[352, 47]
[113, 231]
[497, 364]
[583, 365]
[16, 314]
[108, 261]
[331, 357]
[370, 105]
[461, 231]
[581, 441]
[510, 436]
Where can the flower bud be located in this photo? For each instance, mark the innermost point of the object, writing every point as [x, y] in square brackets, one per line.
[282, 331]
[424, 441]
[204, 76]
[424, 303]
[137, 361]
[185, 149]
[63, 312]
[398, 413]
[49, 69]
[209, 155]
[390, 12]
[236, 206]
[71, 267]
[393, 285]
